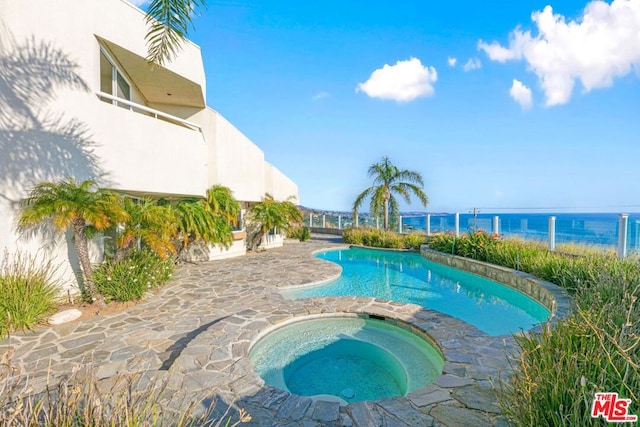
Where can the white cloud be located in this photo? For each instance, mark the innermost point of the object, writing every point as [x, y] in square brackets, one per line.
[602, 44]
[320, 95]
[521, 94]
[499, 193]
[402, 82]
[452, 61]
[472, 64]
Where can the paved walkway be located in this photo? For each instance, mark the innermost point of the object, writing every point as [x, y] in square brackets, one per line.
[195, 335]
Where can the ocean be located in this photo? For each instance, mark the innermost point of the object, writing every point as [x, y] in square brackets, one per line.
[600, 229]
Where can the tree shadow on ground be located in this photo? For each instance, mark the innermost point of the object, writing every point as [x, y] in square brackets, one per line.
[176, 348]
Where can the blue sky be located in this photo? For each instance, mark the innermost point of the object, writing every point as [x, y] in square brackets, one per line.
[497, 104]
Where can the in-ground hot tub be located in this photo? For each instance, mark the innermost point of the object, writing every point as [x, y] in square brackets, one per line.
[345, 358]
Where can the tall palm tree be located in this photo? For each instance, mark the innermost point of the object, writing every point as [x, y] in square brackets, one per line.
[387, 181]
[169, 22]
[270, 214]
[78, 206]
[150, 223]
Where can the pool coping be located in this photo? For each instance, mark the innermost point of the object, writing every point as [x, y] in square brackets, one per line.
[473, 362]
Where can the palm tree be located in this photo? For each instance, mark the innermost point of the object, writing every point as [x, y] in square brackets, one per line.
[169, 22]
[387, 180]
[194, 221]
[150, 223]
[225, 210]
[270, 214]
[80, 207]
[209, 220]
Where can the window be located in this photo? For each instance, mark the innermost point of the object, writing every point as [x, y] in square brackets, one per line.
[112, 81]
[239, 225]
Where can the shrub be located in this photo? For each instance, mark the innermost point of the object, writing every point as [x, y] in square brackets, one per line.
[28, 291]
[596, 349]
[300, 233]
[414, 240]
[376, 238]
[353, 236]
[442, 242]
[129, 278]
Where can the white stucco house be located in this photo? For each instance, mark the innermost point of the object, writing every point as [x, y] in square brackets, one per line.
[78, 99]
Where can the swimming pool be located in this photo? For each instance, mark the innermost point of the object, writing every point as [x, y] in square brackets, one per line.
[407, 277]
[345, 358]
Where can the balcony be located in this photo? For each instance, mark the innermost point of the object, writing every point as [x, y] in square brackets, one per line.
[145, 150]
[147, 111]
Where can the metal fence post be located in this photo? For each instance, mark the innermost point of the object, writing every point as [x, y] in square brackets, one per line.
[400, 224]
[357, 224]
[339, 222]
[457, 224]
[377, 223]
[310, 220]
[324, 221]
[496, 225]
[428, 228]
[623, 226]
[552, 233]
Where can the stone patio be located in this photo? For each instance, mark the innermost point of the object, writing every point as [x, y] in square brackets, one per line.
[196, 332]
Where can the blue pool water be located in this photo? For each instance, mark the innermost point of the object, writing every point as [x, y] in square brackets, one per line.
[350, 358]
[409, 278]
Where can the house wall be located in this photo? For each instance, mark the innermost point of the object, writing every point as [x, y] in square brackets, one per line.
[279, 185]
[237, 248]
[234, 160]
[54, 125]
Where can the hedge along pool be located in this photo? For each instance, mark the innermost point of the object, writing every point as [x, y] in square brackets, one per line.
[407, 277]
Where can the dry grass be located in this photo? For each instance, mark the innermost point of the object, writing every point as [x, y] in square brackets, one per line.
[81, 399]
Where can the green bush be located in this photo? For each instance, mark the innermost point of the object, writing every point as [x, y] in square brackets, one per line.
[376, 238]
[595, 349]
[300, 233]
[353, 236]
[129, 278]
[414, 240]
[28, 291]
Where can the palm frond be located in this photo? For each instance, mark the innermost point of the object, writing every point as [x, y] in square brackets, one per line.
[169, 22]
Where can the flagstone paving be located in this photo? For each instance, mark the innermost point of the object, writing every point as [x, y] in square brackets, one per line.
[194, 336]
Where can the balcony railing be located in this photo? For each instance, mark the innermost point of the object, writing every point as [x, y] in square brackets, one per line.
[143, 109]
